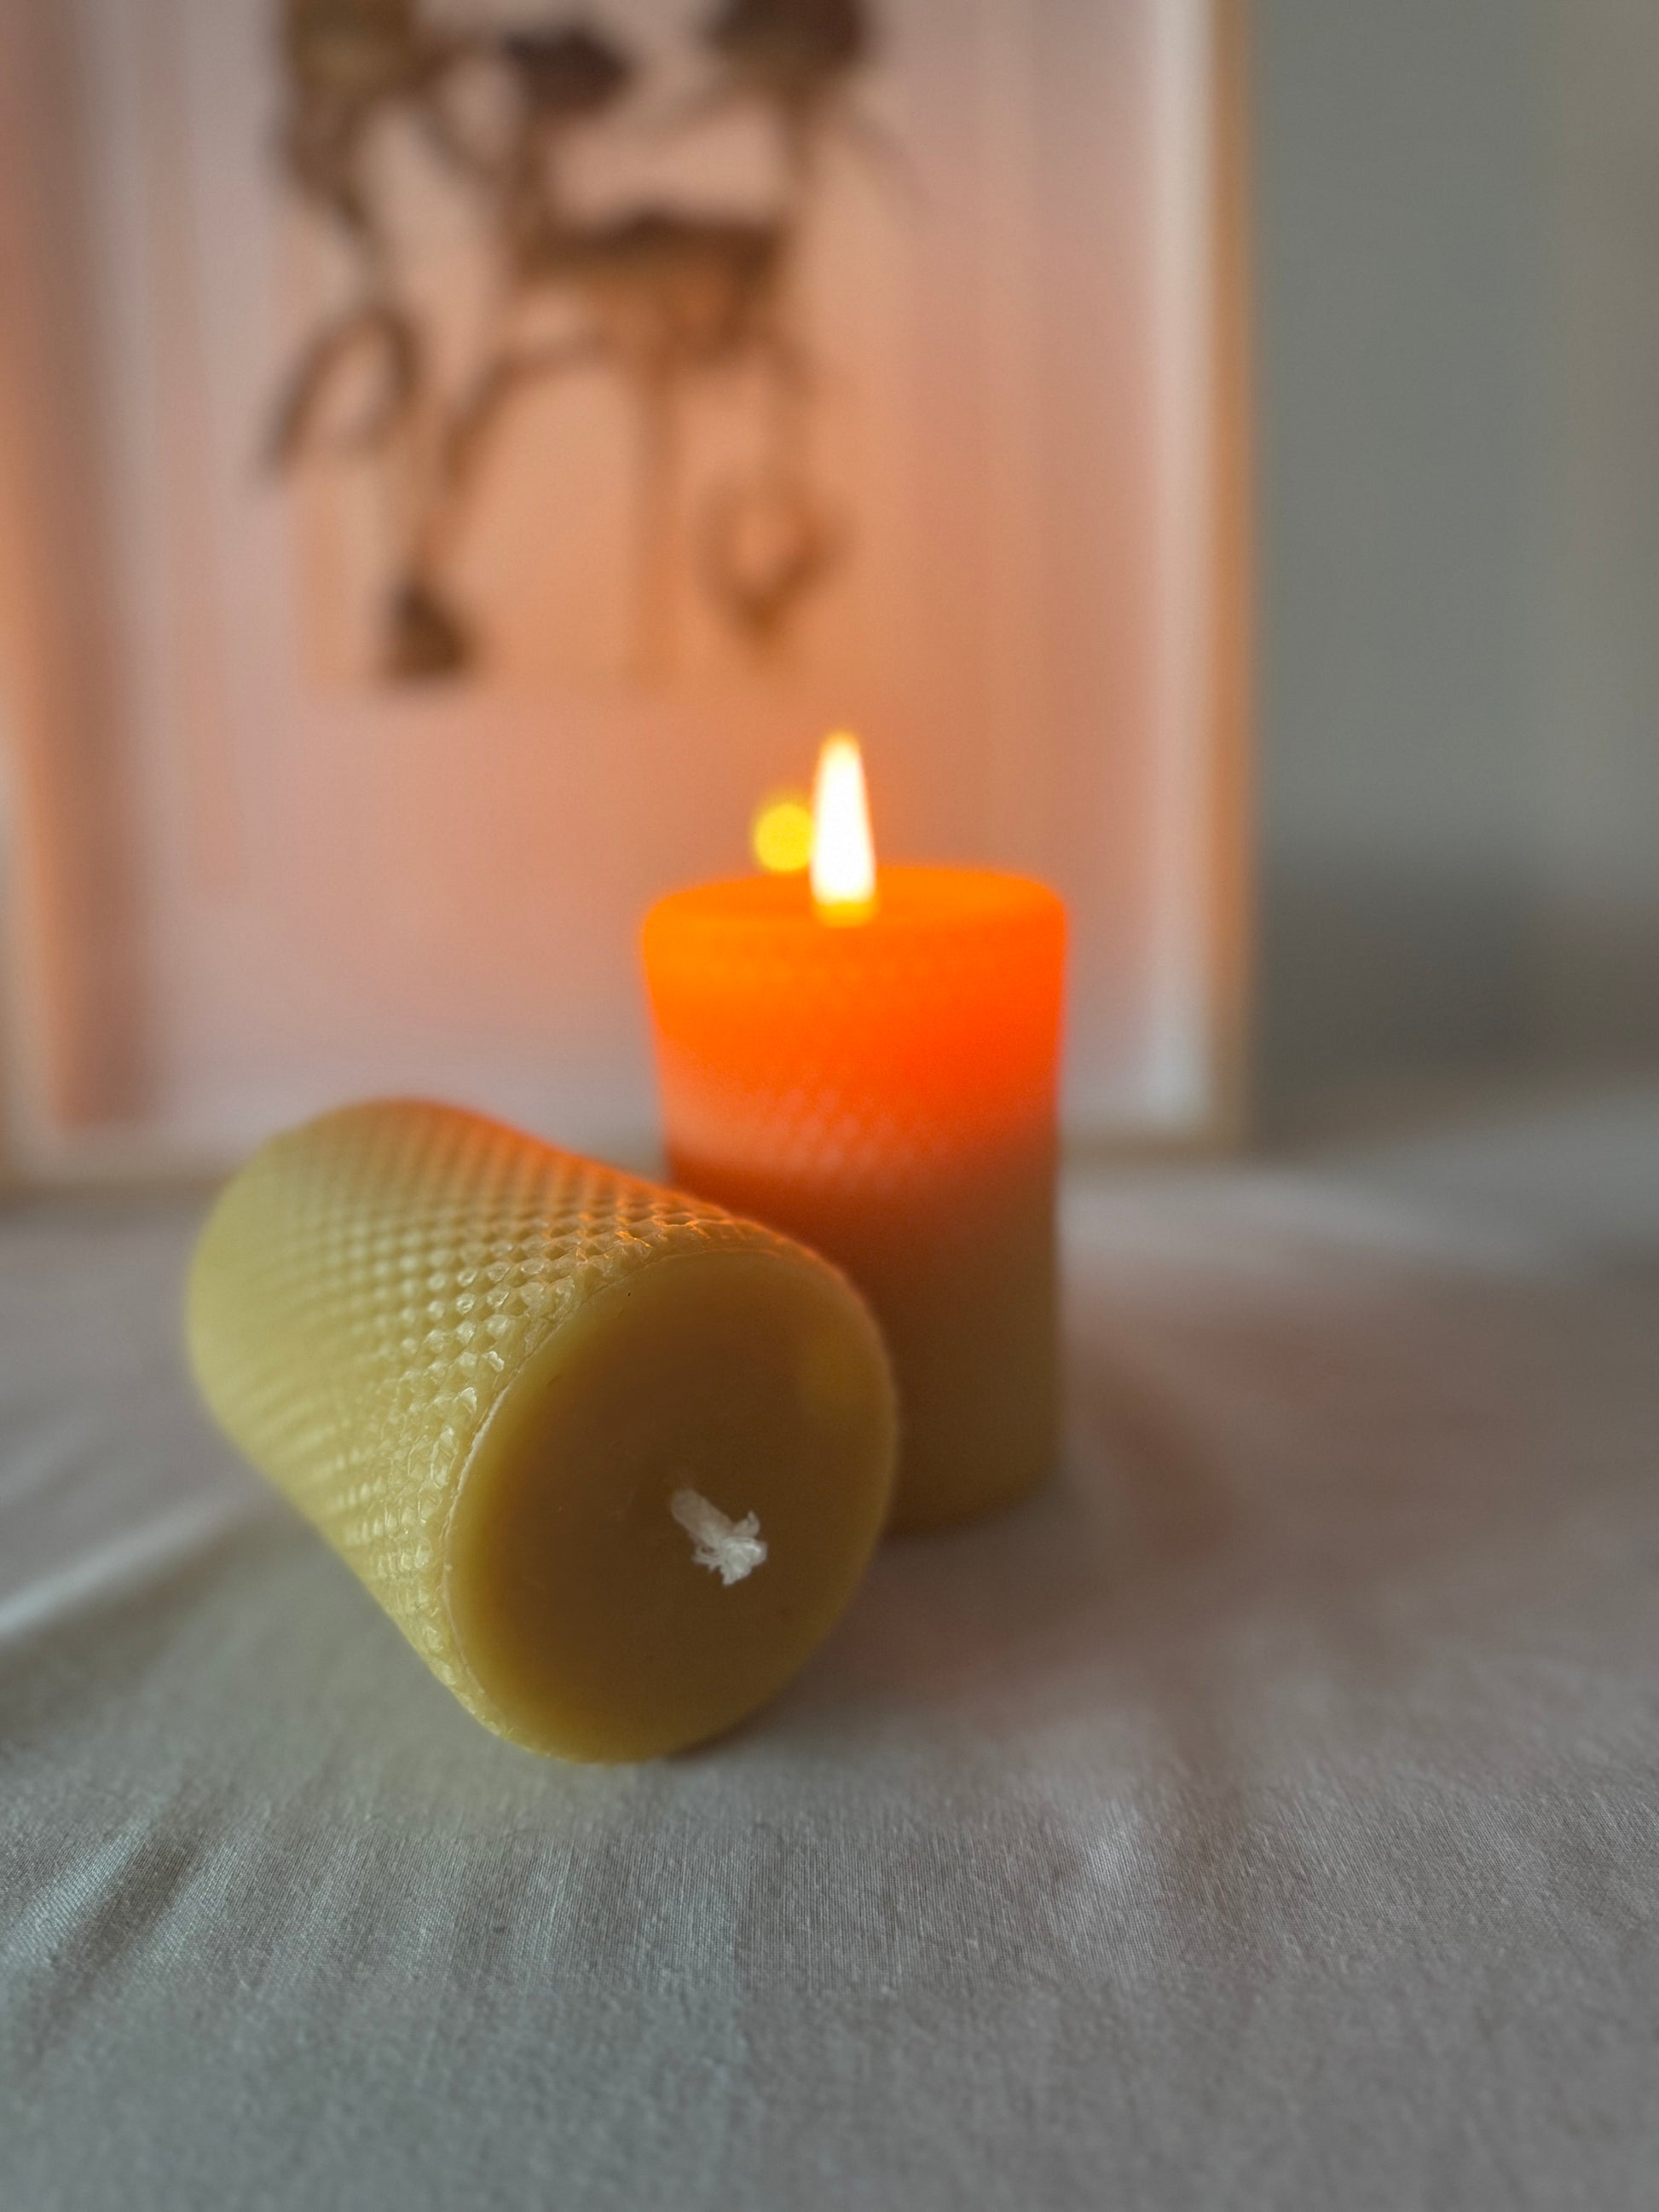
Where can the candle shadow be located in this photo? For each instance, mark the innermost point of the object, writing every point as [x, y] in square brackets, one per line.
[1265, 1504]
[260, 1659]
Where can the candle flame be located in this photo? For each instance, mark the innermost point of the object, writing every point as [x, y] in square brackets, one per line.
[843, 851]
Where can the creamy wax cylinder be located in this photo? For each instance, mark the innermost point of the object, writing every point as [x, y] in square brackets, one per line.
[612, 1459]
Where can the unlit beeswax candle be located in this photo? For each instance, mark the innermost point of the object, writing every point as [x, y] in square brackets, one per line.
[612, 1460]
[872, 1068]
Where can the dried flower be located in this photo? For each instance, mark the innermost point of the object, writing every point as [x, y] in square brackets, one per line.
[792, 49]
[354, 52]
[425, 637]
[668, 291]
[567, 73]
[656, 296]
[763, 546]
[375, 350]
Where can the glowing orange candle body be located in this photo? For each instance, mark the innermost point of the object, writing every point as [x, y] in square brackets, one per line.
[883, 1088]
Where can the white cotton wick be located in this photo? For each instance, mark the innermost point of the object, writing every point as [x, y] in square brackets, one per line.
[730, 1549]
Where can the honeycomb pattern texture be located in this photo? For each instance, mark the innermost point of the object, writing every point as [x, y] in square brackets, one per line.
[885, 1092]
[362, 1297]
[876, 1060]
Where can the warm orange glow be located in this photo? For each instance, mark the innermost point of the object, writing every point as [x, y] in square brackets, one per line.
[843, 851]
[885, 1094]
[781, 836]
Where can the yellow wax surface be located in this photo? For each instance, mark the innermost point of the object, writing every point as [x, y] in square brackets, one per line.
[885, 1090]
[613, 1460]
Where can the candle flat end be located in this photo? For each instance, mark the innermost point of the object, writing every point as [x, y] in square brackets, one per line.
[730, 1549]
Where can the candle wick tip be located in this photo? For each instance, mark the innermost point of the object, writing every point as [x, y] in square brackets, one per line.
[730, 1549]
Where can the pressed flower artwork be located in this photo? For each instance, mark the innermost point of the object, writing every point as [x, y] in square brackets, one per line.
[402, 126]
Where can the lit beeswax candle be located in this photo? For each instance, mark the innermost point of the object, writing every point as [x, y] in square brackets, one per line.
[612, 1460]
[869, 1063]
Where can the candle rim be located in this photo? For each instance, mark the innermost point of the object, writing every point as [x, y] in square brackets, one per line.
[912, 895]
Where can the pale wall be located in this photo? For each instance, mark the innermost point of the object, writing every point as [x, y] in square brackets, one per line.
[1402, 397]
[1458, 207]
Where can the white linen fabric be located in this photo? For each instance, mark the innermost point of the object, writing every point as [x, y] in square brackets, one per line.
[1267, 1815]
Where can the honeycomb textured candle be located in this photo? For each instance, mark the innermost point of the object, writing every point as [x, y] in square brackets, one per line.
[886, 1092]
[611, 1459]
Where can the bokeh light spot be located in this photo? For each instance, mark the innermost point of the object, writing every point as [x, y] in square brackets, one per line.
[781, 837]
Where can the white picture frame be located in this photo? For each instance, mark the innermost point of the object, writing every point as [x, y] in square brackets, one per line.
[138, 550]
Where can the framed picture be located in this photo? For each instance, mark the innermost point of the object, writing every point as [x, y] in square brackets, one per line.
[457, 460]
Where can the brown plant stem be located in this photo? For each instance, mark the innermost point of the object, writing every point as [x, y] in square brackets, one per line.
[656, 514]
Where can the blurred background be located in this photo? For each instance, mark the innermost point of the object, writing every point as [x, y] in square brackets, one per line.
[1457, 289]
[1211, 452]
